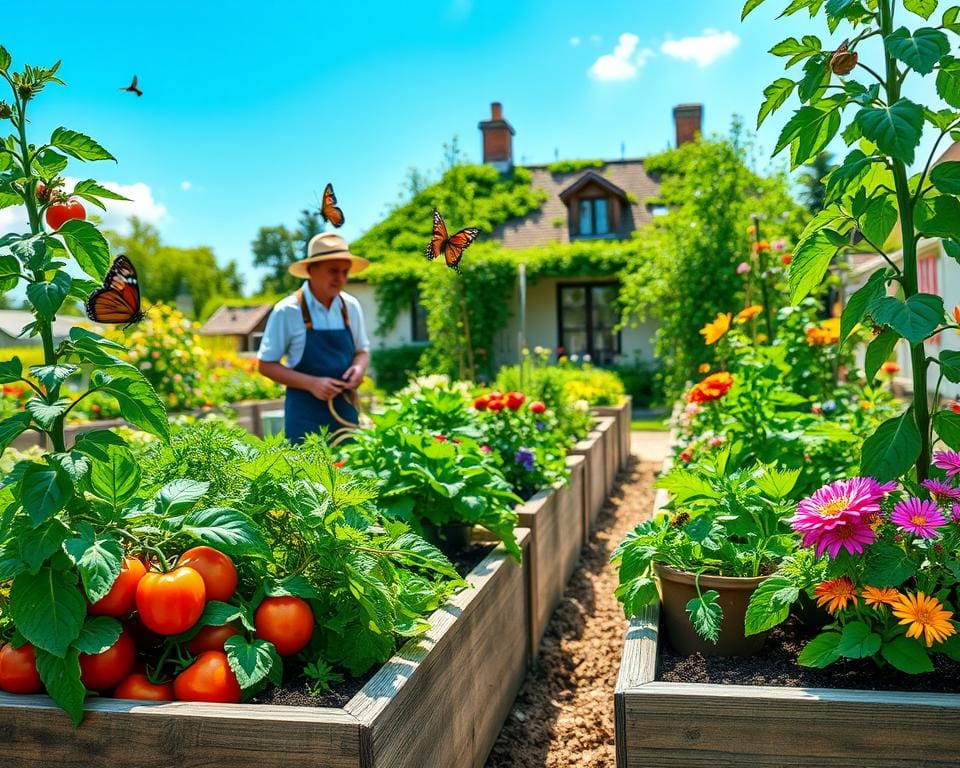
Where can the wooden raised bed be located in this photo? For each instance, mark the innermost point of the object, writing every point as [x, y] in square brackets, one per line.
[622, 413]
[607, 427]
[577, 467]
[440, 701]
[591, 448]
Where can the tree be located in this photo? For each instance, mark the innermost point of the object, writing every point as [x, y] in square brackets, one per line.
[276, 248]
[814, 189]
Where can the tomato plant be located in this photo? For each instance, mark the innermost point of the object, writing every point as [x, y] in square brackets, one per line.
[215, 568]
[138, 686]
[61, 212]
[209, 678]
[101, 671]
[211, 638]
[119, 601]
[287, 622]
[171, 602]
[18, 670]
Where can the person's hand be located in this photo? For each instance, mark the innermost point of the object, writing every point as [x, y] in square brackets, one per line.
[353, 376]
[325, 388]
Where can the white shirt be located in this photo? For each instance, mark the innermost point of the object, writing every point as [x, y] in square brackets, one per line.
[286, 335]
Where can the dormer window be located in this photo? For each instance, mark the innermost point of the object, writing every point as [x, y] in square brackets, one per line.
[594, 216]
[596, 207]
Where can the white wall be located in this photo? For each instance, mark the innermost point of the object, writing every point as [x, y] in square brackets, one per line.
[399, 335]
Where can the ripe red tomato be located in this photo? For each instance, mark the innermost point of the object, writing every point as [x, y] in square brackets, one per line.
[59, 213]
[120, 599]
[209, 678]
[217, 570]
[211, 639]
[138, 686]
[171, 603]
[287, 622]
[18, 670]
[102, 671]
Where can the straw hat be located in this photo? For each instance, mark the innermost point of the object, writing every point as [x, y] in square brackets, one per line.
[327, 247]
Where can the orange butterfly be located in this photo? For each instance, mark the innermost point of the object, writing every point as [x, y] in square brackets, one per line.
[119, 299]
[452, 246]
[329, 209]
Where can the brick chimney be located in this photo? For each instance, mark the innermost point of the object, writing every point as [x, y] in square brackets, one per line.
[688, 119]
[497, 139]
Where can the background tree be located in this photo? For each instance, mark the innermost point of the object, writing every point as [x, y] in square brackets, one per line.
[275, 248]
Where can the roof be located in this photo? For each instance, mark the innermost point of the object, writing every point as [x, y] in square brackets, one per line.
[235, 321]
[538, 227]
[12, 322]
[592, 177]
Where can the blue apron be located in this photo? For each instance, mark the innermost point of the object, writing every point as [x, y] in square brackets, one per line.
[325, 353]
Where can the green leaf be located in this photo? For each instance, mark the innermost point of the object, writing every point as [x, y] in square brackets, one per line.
[705, 531]
[296, 586]
[770, 604]
[797, 50]
[892, 450]
[11, 428]
[896, 129]
[858, 641]
[413, 550]
[811, 259]
[820, 652]
[946, 177]
[88, 246]
[684, 485]
[178, 496]
[44, 413]
[636, 594]
[922, 8]
[116, 479]
[53, 375]
[950, 365]
[907, 655]
[49, 164]
[48, 609]
[920, 51]
[706, 615]
[878, 352]
[216, 614]
[45, 491]
[816, 78]
[776, 95]
[93, 192]
[98, 557]
[75, 464]
[47, 297]
[37, 545]
[251, 662]
[137, 399]
[777, 484]
[749, 6]
[914, 319]
[950, 15]
[11, 370]
[9, 272]
[225, 529]
[947, 426]
[848, 176]
[888, 566]
[939, 217]
[61, 678]
[98, 634]
[879, 220]
[95, 443]
[79, 146]
[857, 304]
[809, 131]
[948, 81]
[4, 59]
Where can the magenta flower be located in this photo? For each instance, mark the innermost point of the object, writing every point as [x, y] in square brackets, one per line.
[949, 461]
[838, 515]
[955, 513]
[743, 268]
[921, 518]
[942, 492]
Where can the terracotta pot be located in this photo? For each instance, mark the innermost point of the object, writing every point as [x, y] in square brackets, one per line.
[677, 588]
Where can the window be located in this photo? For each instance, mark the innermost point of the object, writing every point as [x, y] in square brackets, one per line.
[587, 318]
[418, 319]
[593, 217]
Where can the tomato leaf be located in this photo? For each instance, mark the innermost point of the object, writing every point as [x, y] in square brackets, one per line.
[53, 375]
[47, 297]
[178, 496]
[45, 490]
[896, 129]
[948, 81]
[61, 678]
[295, 586]
[251, 662]
[44, 413]
[907, 655]
[811, 259]
[93, 192]
[37, 545]
[225, 529]
[914, 319]
[98, 634]
[48, 609]
[217, 613]
[137, 399]
[116, 478]
[950, 365]
[416, 551]
[706, 615]
[12, 427]
[78, 145]
[776, 94]
[947, 426]
[878, 352]
[98, 557]
[922, 8]
[88, 247]
[919, 51]
[892, 449]
[946, 177]
[858, 302]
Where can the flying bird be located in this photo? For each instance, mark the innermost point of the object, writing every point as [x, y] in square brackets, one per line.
[133, 87]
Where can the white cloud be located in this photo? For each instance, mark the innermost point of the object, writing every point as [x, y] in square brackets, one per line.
[704, 49]
[185, 185]
[574, 41]
[622, 64]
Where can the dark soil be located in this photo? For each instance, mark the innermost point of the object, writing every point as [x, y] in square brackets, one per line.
[296, 693]
[777, 665]
[563, 716]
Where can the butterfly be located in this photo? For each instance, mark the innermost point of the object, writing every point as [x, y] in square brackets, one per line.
[329, 209]
[133, 87]
[452, 246]
[119, 299]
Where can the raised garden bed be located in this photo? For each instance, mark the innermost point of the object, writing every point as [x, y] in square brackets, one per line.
[577, 467]
[591, 448]
[440, 701]
[606, 426]
[622, 413]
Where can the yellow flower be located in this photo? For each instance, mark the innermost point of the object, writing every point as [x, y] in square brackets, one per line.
[762, 338]
[926, 617]
[866, 405]
[835, 594]
[704, 368]
[878, 596]
[749, 313]
[712, 332]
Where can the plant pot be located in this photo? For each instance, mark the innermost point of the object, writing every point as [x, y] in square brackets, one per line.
[449, 538]
[677, 588]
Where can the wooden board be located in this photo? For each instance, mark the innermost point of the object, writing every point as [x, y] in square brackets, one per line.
[591, 448]
[623, 414]
[570, 522]
[606, 426]
[577, 467]
[545, 584]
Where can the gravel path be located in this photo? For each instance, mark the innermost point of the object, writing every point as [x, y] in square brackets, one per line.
[563, 716]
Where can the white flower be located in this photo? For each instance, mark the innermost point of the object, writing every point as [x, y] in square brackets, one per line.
[586, 358]
[574, 358]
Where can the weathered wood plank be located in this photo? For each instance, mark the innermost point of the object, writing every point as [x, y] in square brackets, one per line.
[607, 427]
[442, 700]
[546, 543]
[570, 531]
[591, 448]
[576, 466]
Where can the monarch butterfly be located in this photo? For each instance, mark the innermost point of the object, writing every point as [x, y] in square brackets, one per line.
[329, 209]
[119, 299]
[452, 246]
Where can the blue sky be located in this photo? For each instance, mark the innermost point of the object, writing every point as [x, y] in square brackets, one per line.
[250, 108]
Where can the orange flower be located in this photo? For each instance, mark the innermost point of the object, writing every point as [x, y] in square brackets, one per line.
[878, 596]
[890, 367]
[956, 316]
[828, 332]
[749, 313]
[835, 594]
[704, 368]
[712, 332]
[711, 388]
[762, 245]
[926, 617]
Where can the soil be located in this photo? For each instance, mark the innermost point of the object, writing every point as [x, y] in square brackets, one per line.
[563, 715]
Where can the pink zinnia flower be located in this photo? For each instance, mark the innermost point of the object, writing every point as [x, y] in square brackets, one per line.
[948, 461]
[942, 492]
[921, 518]
[838, 514]
[955, 513]
[743, 268]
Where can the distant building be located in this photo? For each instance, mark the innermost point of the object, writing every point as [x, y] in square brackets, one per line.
[244, 324]
[13, 321]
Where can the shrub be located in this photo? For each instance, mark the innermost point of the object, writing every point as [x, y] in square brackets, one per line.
[394, 366]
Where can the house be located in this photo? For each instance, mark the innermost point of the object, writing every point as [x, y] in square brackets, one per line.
[244, 324]
[585, 201]
[13, 321]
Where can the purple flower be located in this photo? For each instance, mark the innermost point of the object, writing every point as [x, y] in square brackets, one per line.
[541, 426]
[942, 492]
[526, 457]
[948, 461]
[955, 513]
[921, 518]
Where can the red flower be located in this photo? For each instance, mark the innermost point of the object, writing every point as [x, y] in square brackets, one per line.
[687, 454]
[786, 259]
[954, 406]
[481, 403]
[515, 400]
[537, 407]
[486, 449]
[441, 438]
[496, 405]
[340, 464]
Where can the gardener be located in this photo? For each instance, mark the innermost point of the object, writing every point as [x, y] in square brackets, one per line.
[320, 331]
